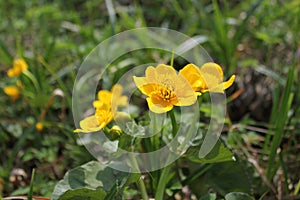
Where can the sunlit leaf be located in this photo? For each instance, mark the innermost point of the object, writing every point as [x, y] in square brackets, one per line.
[238, 196]
[219, 153]
[90, 181]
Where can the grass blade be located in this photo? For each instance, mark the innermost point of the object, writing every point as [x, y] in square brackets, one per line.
[280, 121]
[31, 185]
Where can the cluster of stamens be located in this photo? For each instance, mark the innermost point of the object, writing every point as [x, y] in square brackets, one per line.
[166, 94]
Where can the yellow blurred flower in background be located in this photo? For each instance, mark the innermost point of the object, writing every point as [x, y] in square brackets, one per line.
[208, 78]
[12, 91]
[165, 88]
[39, 126]
[19, 66]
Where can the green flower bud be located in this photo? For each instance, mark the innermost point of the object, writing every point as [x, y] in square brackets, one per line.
[114, 133]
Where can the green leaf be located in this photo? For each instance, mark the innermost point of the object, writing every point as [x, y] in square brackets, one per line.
[83, 193]
[209, 196]
[238, 196]
[219, 153]
[90, 180]
[222, 178]
[229, 177]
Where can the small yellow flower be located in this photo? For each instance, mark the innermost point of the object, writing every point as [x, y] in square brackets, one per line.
[97, 121]
[39, 126]
[12, 91]
[19, 66]
[208, 78]
[89, 124]
[165, 88]
[106, 107]
[104, 115]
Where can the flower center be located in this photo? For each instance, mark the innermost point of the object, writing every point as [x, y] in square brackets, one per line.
[166, 93]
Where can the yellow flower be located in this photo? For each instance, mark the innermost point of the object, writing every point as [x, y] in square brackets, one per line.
[39, 126]
[106, 107]
[208, 78]
[165, 88]
[89, 124]
[96, 122]
[12, 91]
[19, 66]
[111, 98]
[104, 115]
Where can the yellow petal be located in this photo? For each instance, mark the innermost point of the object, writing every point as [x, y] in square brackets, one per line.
[20, 62]
[144, 86]
[162, 69]
[184, 92]
[105, 96]
[157, 106]
[12, 91]
[19, 65]
[89, 124]
[97, 104]
[104, 115]
[222, 86]
[190, 70]
[151, 74]
[210, 80]
[213, 69]
[11, 73]
[192, 74]
[228, 83]
[117, 90]
[117, 98]
[186, 101]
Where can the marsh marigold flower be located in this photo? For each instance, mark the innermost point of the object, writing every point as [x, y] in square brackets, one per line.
[19, 66]
[39, 126]
[12, 92]
[208, 78]
[106, 107]
[96, 122]
[165, 88]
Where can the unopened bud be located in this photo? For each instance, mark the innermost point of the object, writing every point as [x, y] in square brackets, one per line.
[114, 133]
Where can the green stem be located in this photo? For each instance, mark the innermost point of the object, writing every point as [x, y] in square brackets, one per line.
[31, 185]
[163, 180]
[172, 58]
[174, 123]
[33, 79]
[140, 183]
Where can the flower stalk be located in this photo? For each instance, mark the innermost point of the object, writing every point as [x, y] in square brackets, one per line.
[140, 183]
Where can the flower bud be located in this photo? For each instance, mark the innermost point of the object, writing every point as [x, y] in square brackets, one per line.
[114, 133]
